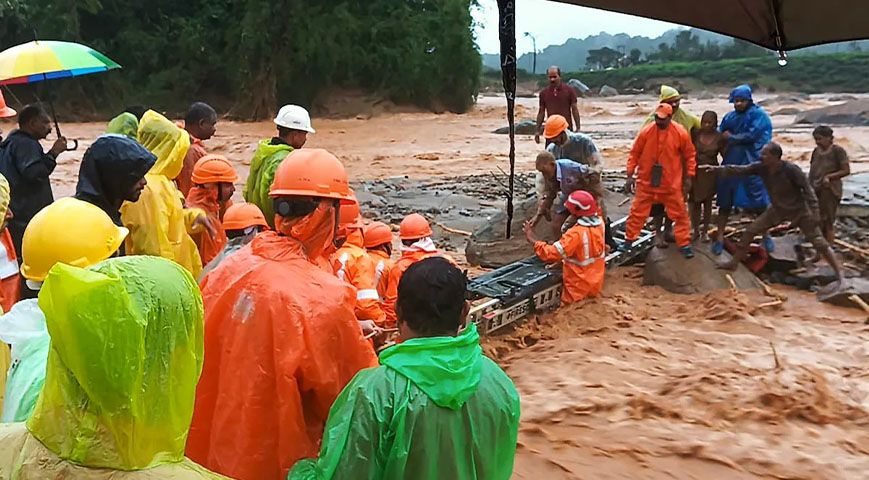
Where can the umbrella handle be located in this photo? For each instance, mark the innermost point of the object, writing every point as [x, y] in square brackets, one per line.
[74, 146]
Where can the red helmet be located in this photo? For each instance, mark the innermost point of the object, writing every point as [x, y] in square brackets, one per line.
[581, 204]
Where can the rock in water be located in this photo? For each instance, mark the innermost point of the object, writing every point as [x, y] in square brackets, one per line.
[838, 294]
[608, 91]
[667, 268]
[848, 113]
[705, 95]
[580, 88]
[487, 247]
[525, 127]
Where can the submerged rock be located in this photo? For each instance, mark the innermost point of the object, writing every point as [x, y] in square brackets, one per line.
[525, 127]
[667, 268]
[848, 113]
[488, 247]
[608, 91]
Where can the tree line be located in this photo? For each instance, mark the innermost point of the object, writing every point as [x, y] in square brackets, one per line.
[253, 55]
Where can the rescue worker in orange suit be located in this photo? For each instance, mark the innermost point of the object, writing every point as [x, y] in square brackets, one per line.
[353, 265]
[378, 242]
[213, 178]
[281, 338]
[582, 249]
[10, 282]
[416, 244]
[657, 158]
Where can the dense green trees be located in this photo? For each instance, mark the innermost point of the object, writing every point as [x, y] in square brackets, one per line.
[251, 55]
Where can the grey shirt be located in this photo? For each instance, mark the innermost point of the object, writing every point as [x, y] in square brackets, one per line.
[579, 148]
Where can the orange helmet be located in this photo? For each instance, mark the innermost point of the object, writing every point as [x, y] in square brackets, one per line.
[212, 169]
[414, 227]
[581, 204]
[555, 124]
[349, 216]
[5, 111]
[311, 172]
[243, 215]
[376, 233]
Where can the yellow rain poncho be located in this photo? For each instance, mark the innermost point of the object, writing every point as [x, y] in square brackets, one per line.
[126, 354]
[159, 225]
[683, 117]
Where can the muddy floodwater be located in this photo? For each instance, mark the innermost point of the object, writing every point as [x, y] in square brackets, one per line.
[641, 383]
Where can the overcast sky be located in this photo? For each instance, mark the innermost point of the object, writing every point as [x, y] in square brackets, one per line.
[553, 23]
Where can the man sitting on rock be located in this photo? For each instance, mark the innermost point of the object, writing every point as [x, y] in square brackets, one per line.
[791, 200]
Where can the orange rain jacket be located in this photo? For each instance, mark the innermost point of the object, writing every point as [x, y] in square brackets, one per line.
[582, 251]
[184, 180]
[408, 258]
[382, 266]
[205, 198]
[281, 342]
[10, 285]
[672, 148]
[353, 265]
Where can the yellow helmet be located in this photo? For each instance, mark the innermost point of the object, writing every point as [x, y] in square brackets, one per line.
[68, 231]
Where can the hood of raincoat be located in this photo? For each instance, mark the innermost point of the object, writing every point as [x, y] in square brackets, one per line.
[110, 168]
[126, 355]
[4, 197]
[204, 198]
[263, 166]
[167, 141]
[742, 91]
[316, 232]
[447, 369]
[668, 92]
[125, 124]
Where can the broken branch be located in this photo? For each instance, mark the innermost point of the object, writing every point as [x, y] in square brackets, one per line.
[453, 230]
[854, 248]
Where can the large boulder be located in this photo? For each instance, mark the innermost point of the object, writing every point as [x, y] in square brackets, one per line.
[525, 127]
[580, 88]
[849, 113]
[489, 248]
[705, 95]
[608, 91]
[667, 268]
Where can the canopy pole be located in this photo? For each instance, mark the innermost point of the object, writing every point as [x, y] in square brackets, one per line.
[507, 35]
[779, 35]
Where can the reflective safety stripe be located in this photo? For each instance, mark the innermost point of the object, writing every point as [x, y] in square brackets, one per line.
[379, 272]
[573, 261]
[585, 244]
[7, 267]
[343, 261]
[369, 294]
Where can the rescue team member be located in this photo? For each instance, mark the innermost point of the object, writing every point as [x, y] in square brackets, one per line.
[213, 178]
[582, 249]
[416, 244]
[436, 408]
[792, 199]
[378, 243]
[557, 99]
[159, 224]
[241, 222]
[113, 172]
[125, 356]
[663, 154]
[352, 265]
[27, 167]
[829, 166]
[294, 125]
[68, 231]
[281, 338]
[200, 124]
[746, 130]
[10, 281]
[5, 112]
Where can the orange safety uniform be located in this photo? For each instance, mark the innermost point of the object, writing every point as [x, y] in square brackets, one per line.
[352, 264]
[383, 265]
[205, 198]
[10, 285]
[408, 258]
[582, 251]
[184, 180]
[674, 150]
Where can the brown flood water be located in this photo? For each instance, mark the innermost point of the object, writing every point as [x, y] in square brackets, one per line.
[639, 384]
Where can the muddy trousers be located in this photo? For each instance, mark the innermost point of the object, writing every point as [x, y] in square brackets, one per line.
[773, 217]
[676, 209]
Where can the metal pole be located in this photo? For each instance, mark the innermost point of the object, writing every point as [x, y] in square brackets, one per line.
[507, 35]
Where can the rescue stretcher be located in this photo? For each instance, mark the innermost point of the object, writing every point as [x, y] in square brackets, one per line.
[513, 292]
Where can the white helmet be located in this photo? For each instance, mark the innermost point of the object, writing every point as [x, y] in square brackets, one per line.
[294, 117]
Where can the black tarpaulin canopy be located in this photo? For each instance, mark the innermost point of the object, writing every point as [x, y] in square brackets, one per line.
[778, 25]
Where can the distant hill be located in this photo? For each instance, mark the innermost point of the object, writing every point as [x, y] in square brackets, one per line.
[571, 55]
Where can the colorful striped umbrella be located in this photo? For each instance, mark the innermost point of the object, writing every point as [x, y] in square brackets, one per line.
[47, 60]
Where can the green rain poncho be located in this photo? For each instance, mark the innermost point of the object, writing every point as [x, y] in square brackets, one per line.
[125, 124]
[436, 408]
[126, 354]
[262, 173]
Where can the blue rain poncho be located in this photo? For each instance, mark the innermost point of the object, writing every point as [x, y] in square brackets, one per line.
[749, 132]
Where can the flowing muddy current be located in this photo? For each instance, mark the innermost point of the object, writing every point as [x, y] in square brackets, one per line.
[641, 383]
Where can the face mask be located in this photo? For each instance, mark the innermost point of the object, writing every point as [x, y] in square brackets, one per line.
[316, 232]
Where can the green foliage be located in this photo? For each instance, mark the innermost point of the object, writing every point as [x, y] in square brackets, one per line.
[256, 54]
[687, 48]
